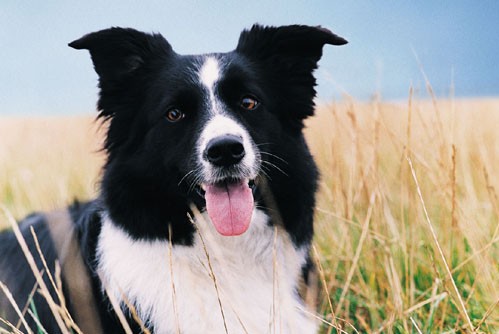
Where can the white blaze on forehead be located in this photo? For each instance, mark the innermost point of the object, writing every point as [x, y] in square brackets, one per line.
[209, 73]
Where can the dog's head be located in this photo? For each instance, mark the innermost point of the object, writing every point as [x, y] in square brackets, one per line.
[202, 129]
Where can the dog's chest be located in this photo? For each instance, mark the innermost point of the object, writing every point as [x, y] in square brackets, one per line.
[244, 284]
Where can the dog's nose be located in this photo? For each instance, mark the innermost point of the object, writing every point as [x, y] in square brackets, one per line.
[224, 150]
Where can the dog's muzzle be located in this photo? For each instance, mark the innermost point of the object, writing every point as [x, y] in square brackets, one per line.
[229, 197]
[225, 151]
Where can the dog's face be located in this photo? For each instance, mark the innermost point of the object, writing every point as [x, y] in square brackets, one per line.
[201, 129]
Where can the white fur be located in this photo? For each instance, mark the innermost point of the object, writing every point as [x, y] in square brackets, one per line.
[255, 273]
[209, 74]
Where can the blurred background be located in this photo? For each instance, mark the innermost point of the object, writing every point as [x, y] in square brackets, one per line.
[456, 44]
[382, 271]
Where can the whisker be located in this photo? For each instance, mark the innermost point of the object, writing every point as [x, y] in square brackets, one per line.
[264, 172]
[276, 167]
[186, 175]
[196, 179]
[261, 144]
[275, 156]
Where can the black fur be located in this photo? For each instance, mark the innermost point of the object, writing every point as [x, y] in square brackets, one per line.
[144, 188]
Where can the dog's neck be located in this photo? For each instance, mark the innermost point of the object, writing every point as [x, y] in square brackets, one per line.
[243, 284]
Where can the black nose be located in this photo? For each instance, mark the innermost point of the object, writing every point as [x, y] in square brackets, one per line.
[224, 150]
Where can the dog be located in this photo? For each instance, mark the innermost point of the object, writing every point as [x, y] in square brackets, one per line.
[204, 219]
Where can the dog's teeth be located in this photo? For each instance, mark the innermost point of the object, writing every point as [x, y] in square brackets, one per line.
[203, 186]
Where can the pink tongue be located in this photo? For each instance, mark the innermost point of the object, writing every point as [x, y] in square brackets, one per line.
[230, 207]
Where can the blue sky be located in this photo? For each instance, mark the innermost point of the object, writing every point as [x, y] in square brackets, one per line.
[455, 41]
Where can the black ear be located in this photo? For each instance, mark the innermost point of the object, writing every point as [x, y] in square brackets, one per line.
[117, 52]
[286, 41]
[289, 54]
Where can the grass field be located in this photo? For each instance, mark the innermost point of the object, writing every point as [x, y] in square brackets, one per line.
[407, 219]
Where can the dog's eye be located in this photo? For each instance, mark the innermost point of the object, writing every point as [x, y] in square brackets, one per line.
[249, 103]
[174, 115]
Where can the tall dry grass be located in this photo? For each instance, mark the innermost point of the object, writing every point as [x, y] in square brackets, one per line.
[382, 263]
[47, 162]
[387, 265]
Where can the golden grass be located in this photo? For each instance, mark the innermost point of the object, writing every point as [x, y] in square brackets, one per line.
[381, 261]
[47, 162]
[379, 252]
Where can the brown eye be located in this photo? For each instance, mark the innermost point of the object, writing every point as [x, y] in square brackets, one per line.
[174, 115]
[249, 103]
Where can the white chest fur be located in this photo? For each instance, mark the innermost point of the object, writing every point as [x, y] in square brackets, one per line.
[255, 275]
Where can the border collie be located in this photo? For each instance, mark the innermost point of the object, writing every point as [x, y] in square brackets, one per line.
[205, 214]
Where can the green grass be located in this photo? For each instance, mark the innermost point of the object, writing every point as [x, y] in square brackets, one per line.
[384, 269]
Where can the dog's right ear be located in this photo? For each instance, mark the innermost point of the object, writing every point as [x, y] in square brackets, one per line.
[119, 52]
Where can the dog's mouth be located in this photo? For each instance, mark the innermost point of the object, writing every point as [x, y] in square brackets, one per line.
[229, 204]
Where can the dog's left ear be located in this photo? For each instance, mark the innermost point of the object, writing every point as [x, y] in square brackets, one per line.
[296, 41]
[290, 55]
